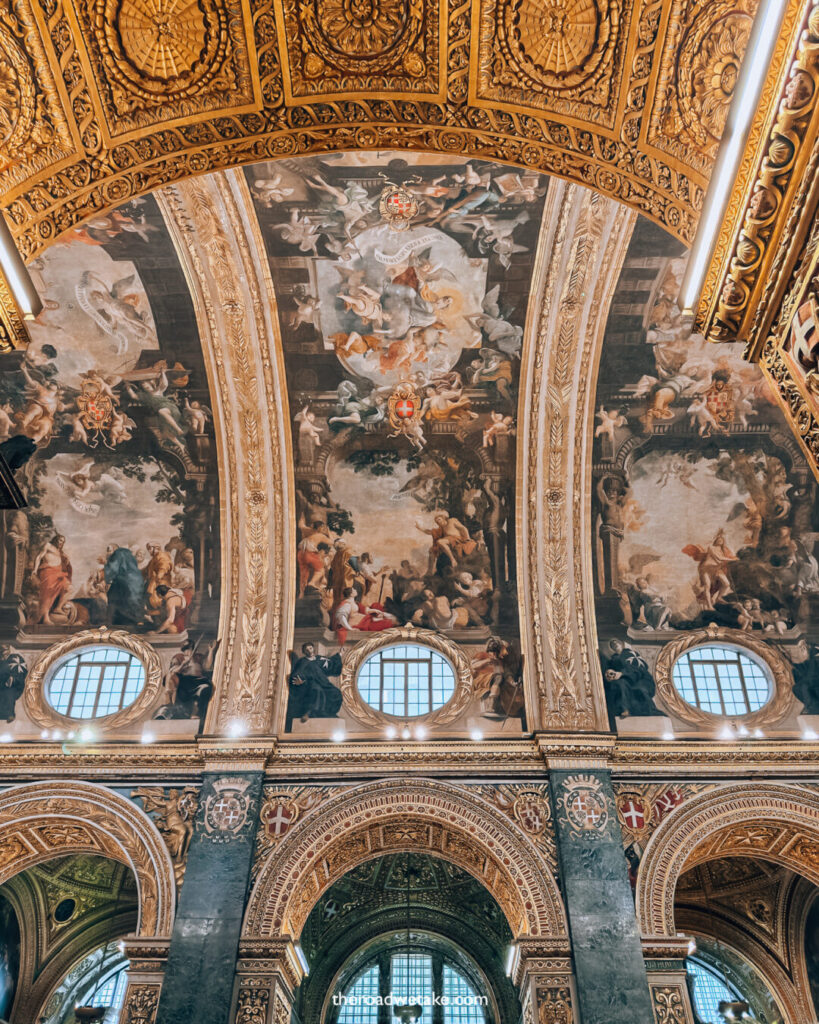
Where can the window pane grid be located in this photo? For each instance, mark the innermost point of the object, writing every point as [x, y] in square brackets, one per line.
[461, 1005]
[412, 982]
[361, 999]
[709, 991]
[96, 682]
[406, 681]
[721, 681]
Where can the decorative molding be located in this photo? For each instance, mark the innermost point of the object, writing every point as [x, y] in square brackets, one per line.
[669, 1004]
[41, 820]
[357, 655]
[126, 102]
[139, 1006]
[782, 701]
[13, 333]
[398, 815]
[238, 322]
[43, 714]
[581, 249]
[774, 164]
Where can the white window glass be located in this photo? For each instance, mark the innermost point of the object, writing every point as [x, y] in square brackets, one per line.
[360, 1002]
[721, 680]
[406, 680]
[95, 682]
[411, 982]
[462, 1004]
[710, 989]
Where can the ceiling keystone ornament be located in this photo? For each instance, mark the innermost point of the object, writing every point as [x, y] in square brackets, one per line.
[357, 45]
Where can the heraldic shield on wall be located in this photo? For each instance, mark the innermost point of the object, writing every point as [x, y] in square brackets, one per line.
[402, 284]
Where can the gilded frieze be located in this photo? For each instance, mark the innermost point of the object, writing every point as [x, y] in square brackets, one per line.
[154, 99]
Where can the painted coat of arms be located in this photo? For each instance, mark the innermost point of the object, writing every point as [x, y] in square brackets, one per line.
[397, 206]
[226, 809]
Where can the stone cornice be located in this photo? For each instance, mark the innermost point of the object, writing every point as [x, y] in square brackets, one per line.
[525, 758]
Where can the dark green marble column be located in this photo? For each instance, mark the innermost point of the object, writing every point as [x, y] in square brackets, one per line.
[198, 983]
[612, 987]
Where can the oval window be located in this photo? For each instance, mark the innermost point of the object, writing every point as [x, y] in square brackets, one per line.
[722, 680]
[406, 680]
[95, 682]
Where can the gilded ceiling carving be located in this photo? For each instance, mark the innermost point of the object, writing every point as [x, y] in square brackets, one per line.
[156, 96]
[40, 821]
[776, 822]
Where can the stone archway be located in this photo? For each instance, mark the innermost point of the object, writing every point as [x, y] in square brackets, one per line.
[399, 816]
[42, 820]
[775, 822]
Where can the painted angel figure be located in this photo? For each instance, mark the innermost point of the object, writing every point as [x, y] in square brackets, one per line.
[609, 421]
[352, 202]
[497, 329]
[307, 309]
[499, 426]
[113, 309]
[44, 401]
[196, 415]
[309, 433]
[268, 191]
[301, 231]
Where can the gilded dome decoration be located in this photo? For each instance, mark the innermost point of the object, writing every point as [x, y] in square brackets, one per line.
[17, 104]
[363, 28]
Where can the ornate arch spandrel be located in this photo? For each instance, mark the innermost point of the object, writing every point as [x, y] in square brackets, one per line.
[769, 820]
[219, 246]
[42, 820]
[582, 246]
[399, 816]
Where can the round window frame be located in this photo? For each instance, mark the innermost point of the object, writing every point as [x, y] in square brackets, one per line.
[364, 649]
[778, 706]
[44, 714]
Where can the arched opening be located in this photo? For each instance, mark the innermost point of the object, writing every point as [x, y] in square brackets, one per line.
[736, 868]
[61, 922]
[400, 816]
[407, 928]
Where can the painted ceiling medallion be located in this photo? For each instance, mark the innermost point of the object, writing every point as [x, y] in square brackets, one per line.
[562, 45]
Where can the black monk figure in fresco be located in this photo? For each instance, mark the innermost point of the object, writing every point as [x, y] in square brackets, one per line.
[13, 674]
[311, 694]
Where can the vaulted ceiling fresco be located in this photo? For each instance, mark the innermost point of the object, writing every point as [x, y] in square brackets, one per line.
[121, 529]
[705, 510]
[402, 286]
[401, 313]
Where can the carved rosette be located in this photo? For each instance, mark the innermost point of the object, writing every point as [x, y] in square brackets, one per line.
[704, 50]
[355, 45]
[160, 59]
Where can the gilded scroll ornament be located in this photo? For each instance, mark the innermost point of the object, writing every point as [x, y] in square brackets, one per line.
[668, 1005]
[554, 1005]
[140, 1004]
[252, 1006]
[17, 98]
